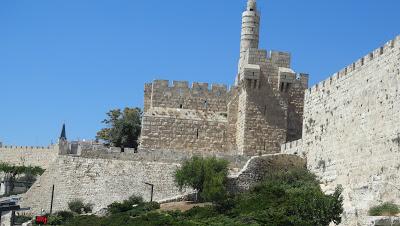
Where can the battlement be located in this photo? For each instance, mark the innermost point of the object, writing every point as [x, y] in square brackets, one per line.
[356, 66]
[25, 147]
[293, 148]
[290, 145]
[184, 85]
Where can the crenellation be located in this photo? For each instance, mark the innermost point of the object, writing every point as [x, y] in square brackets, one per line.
[357, 65]
[160, 84]
[180, 84]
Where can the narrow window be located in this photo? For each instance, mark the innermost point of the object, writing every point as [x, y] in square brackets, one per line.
[362, 61]
[181, 106]
[265, 109]
[381, 50]
[371, 56]
[282, 84]
[205, 104]
[197, 133]
[287, 87]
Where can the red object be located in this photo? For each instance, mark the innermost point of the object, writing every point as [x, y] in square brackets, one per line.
[41, 220]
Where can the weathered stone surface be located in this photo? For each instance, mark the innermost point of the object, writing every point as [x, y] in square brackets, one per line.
[101, 182]
[258, 167]
[29, 156]
[350, 132]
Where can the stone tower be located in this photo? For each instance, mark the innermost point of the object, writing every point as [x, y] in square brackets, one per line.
[270, 94]
[250, 29]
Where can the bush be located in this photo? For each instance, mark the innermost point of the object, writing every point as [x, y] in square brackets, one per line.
[65, 215]
[54, 220]
[21, 219]
[126, 205]
[385, 209]
[76, 206]
[207, 176]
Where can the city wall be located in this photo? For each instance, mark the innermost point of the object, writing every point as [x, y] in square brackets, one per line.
[351, 135]
[101, 182]
[29, 156]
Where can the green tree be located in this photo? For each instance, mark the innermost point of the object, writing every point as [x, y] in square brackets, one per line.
[123, 128]
[12, 171]
[207, 176]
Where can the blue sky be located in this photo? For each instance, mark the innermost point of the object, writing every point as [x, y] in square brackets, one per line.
[73, 60]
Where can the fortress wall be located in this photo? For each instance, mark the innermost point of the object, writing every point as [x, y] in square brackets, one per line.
[184, 134]
[295, 97]
[101, 182]
[179, 95]
[351, 132]
[29, 156]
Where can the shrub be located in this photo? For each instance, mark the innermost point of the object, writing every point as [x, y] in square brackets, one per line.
[21, 219]
[76, 206]
[65, 215]
[385, 209]
[207, 176]
[124, 206]
[54, 220]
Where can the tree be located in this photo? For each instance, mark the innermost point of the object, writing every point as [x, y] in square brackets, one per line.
[12, 171]
[123, 128]
[207, 176]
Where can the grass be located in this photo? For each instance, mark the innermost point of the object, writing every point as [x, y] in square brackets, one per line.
[385, 209]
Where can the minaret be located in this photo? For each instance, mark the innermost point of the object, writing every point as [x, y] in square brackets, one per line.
[250, 28]
[250, 31]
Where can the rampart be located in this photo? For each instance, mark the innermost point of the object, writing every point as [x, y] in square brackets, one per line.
[29, 155]
[350, 132]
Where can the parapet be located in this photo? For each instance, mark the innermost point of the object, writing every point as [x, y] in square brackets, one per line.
[25, 147]
[161, 85]
[281, 59]
[357, 65]
[295, 147]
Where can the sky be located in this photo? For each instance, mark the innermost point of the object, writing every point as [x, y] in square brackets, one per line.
[71, 61]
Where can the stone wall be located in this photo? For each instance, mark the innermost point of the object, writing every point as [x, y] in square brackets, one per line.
[351, 135]
[164, 156]
[101, 182]
[29, 156]
[179, 95]
[182, 129]
[293, 148]
[258, 167]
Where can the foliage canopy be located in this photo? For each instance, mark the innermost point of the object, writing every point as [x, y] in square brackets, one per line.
[123, 128]
[208, 176]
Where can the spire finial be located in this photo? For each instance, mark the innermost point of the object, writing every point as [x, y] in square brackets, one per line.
[251, 5]
[63, 135]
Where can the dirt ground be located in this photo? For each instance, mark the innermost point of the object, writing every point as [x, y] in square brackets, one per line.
[182, 206]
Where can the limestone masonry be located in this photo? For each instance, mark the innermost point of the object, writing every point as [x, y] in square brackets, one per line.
[260, 112]
[344, 129]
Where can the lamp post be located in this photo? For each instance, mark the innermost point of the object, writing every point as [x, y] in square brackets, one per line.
[152, 190]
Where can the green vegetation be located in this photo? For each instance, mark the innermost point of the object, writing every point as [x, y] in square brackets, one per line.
[385, 209]
[207, 176]
[77, 206]
[123, 128]
[291, 198]
[28, 174]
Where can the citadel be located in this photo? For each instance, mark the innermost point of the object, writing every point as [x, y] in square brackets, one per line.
[343, 129]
